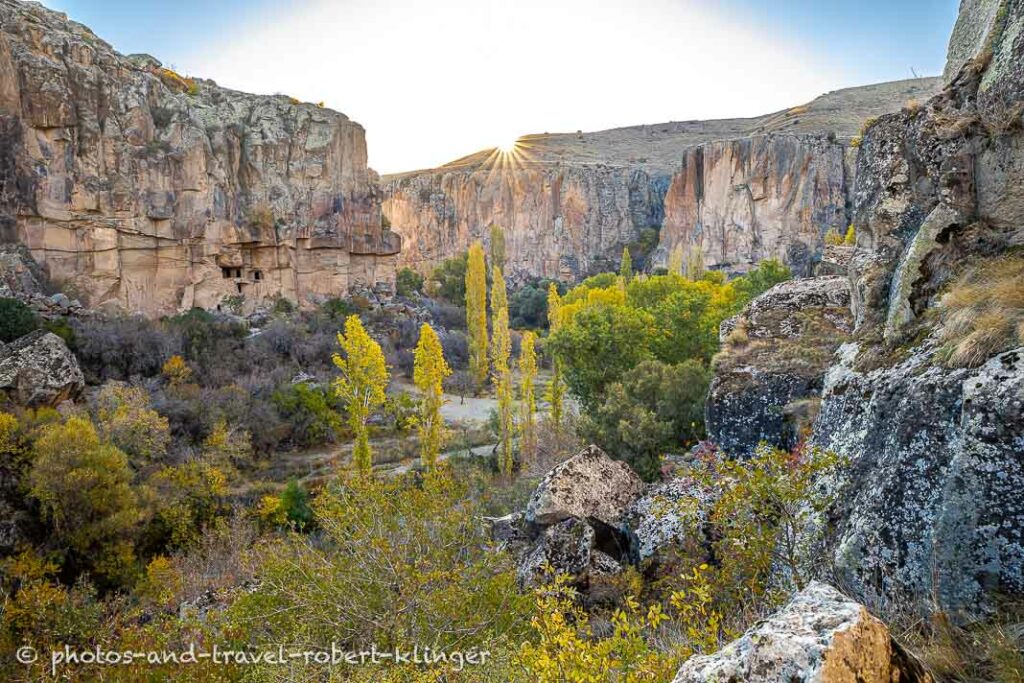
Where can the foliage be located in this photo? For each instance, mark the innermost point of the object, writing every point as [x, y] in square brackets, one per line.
[429, 375]
[125, 419]
[408, 282]
[361, 384]
[528, 305]
[16, 319]
[227, 446]
[311, 412]
[186, 498]
[766, 275]
[555, 392]
[982, 312]
[396, 563]
[449, 279]
[654, 409]
[501, 350]
[850, 239]
[528, 401]
[476, 312]
[833, 238]
[497, 247]
[289, 509]
[84, 490]
[176, 371]
[626, 266]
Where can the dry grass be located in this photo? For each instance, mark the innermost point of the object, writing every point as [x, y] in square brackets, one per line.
[982, 314]
[991, 651]
[912, 105]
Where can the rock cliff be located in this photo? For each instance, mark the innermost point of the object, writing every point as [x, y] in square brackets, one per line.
[148, 191]
[740, 189]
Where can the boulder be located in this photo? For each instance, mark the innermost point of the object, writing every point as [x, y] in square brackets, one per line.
[821, 636]
[589, 485]
[39, 370]
[672, 513]
[568, 547]
[773, 359]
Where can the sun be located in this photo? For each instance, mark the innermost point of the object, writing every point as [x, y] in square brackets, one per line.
[509, 146]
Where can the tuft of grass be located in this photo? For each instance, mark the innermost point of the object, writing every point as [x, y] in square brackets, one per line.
[990, 651]
[982, 313]
[912, 105]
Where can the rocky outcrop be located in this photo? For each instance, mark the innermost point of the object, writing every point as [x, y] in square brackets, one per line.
[774, 355]
[765, 196]
[589, 485]
[740, 189]
[39, 370]
[671, 514]
[934, 517]
[821, 636]
[144, 190]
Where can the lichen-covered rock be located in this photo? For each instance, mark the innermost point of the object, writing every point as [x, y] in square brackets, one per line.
[672, 513]
[563, 548]
[934, 502]
[774, 356]
[153, 192]
[39, 370]
[589, 485]
[821, 636]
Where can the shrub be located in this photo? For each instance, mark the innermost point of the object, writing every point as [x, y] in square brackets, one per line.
[449, 279]
[408, 282]
[310, 411]
[982, 312]
[850, 239]
[833, 238]
[16, 319]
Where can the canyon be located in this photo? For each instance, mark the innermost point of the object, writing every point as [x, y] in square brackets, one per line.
[740, 190]
[142, 190]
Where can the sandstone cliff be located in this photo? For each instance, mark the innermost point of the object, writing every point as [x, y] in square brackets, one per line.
[741, 189]
[144, 190]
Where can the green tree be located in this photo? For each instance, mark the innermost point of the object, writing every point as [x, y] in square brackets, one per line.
[16, 319]
[527, 397]
[476, 313]
[429, 373]
[408, 282]
[498, 247]
[84, 490]
[361, 385]
[501, 349]
[626, 267]
[450, 279]
[555, 393]
[598, 344]
[766, 275]
[656, 408]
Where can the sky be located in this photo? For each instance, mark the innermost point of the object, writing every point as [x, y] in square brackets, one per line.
[432, 81]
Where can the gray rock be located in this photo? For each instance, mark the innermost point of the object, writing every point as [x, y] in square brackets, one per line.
[565, 548]
[672, 513]
[588, 485]
[934, 509]
[39, 370]
[821, 636]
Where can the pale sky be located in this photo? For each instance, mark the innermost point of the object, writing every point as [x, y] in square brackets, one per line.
[433, 81]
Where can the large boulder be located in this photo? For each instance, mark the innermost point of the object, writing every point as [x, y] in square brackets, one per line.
[589, 485]
[819, 637]
[935, 505]
[773, 359]
[569, 547]
[39, 370]
[671, 514]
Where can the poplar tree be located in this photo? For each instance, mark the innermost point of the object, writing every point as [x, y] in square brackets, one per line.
[675, 260]
[501, 349]
[361, 385]
[626, 267]
[694, 263]
[498, 247]
[528, 401]
[429, 373]
[476, 313]
[556, 389]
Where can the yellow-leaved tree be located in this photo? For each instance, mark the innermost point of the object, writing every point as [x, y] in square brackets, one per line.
[528, 401]
[626, 266]
[364, 377]
[675, 260]
[501, 349]
[476, 312]
[556, 388]
[429, 373]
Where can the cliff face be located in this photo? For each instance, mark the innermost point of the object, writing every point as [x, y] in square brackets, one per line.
[150, 192]
[740, 189]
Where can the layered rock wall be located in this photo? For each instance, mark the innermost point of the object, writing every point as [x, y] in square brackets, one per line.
[147, 191]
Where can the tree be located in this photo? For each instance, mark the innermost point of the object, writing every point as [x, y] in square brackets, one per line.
[833, 238]
[176, 371]
[675, 260]
[225, 446]
[361, 385]
[501, 349]
[16, 319]
[768, 273]
[429, 373]
[476, 312]
[124, 418]
[850, 240]
[408, 282]
[498, 247]
[528, 401]
[654, 409]
[556, 388]
[84, 490]
[450, 279]
[694, 262]
[626, 267]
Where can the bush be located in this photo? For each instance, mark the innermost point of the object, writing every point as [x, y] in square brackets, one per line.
[408, 282]
[449, 279]
[16, 320]
[768, 273]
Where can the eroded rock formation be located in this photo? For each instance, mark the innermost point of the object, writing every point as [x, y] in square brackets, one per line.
[740, 189]
[147, 191]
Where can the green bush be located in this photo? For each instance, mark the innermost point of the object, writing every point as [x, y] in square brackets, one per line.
[450, 279]
[16, 319]
[408, 282]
